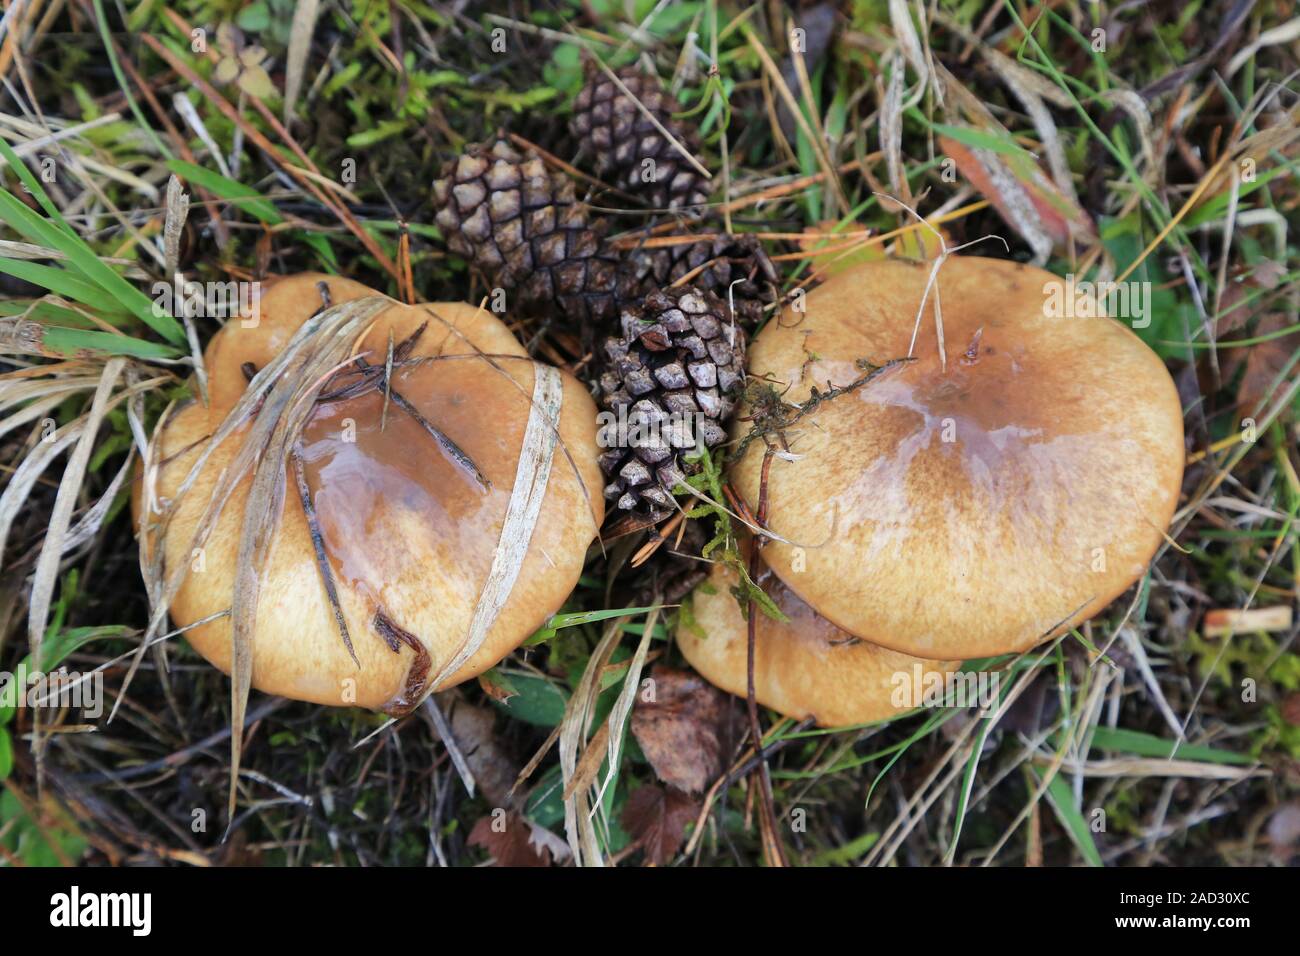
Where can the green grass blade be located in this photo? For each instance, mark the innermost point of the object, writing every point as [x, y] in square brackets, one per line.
[245, 197]
[1146, 745]
[32, 183]
[59, 281]
[82, 258]
[1062, 802]
[73, 342]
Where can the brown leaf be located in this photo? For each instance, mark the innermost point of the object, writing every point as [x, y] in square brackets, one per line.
[498, 692]
[657, 819]
[1291, 709]
[493, 767]
[683, 725]
[1025, 197]
[508, 839]
[1264, 362]
[1234, 308]
[1268, 273]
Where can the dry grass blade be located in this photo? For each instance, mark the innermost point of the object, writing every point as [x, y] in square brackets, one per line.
[178, 210]
[1013, 76]
[819, 146]
[33, 397]
[578, 828]
[908, 39]
[891, 128]
[1160, 767]
[89, 524]
[1285, 33]
[304, 25]
[531, 477]
[47, 565]
[46, 573]
[278, 401]
[617, 719]
[26, 475]
[276, 429]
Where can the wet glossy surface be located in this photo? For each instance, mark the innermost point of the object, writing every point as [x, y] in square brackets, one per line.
[372, 493]
[975, 442]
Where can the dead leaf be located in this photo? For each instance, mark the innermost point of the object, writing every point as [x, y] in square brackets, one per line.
[1290, 709]
[508, 839]
[1025, 198]
[684, 729]
[1011, 178]
[657, 819]
[829, 253]
[498, 692]
[1268, 273]
[493, 768]
[1264, 363]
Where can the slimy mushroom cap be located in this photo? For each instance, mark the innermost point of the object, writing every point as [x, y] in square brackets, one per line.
[409, 532]
[804, 667]
[968, 510]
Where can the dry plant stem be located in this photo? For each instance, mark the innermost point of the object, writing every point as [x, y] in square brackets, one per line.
[819, 145]
[766, 800]
[318, 545]
[446, 444]
[781, 416]
[744, 765]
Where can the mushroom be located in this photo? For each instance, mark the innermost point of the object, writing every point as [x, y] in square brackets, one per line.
[395, 499]
[803, 667]
[968, 502]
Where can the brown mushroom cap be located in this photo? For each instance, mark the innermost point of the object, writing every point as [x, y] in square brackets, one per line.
[408, 532]
[976, 510]
[805, 667]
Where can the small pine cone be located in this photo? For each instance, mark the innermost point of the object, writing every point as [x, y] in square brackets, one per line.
[520, 224]
[620, 139]
[671, 378]
[740, 259]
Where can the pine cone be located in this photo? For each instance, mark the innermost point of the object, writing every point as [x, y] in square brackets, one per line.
[670, 380]
[739, 258]
[621, 139]
[520, 224]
